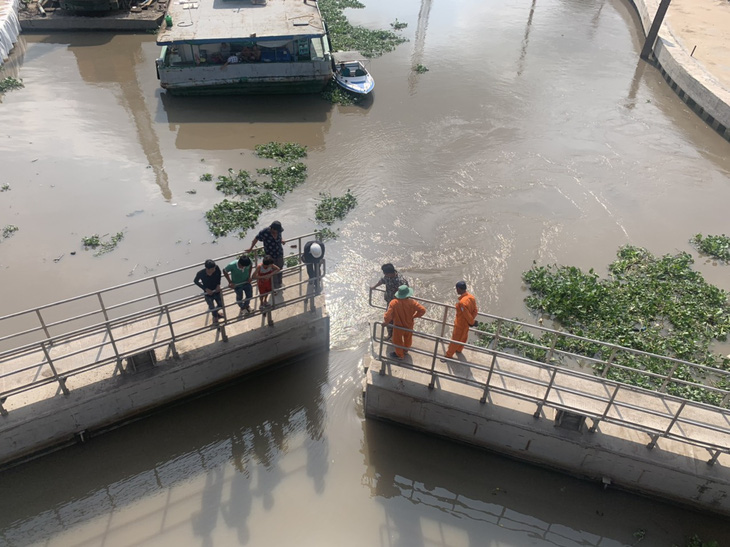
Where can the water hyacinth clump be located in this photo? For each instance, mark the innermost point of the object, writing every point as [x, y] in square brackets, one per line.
[249, 196]
[286, 152]
[653, 304]
[331, 209]
[715, 246]
[9, 230]
[100, 245]
[347, 37]
[337, 95]
[10, 84]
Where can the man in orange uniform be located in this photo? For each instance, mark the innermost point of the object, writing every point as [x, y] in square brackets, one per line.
[466, 316]
[402, 311]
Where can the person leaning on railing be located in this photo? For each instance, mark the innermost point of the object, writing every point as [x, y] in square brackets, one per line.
[312, 256]
[402, 311]
[392, 280]
[273, 242]
[238, 275]
[209, 279]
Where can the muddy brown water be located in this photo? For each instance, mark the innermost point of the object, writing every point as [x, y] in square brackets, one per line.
[534, 136]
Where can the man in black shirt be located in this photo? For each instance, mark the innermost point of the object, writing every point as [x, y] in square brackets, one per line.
[209, 279]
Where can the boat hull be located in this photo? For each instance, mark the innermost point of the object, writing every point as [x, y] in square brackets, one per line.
[244, 87]
[361, 85]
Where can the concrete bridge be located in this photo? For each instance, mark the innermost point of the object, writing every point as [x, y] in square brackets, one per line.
[74, 368]
[546, 406]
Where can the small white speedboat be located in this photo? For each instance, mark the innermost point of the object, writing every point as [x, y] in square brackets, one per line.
[351, 74]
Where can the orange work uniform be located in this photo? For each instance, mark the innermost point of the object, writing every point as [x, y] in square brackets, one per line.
[402, 312]
[466, 314]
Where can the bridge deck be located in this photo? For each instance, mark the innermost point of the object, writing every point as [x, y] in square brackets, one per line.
[516, 383]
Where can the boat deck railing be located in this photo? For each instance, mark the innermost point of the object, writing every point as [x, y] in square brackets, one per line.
[499, 361]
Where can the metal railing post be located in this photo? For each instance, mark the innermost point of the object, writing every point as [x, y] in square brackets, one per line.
[489, 379]
[549, 354]
[547, 393]
[654, 438]
[173, 347]
[668, 378]
[103, 308]
[596, 421]
[443, 321]
[61, 381]
[432, 383]
[495, 338]
[43, 323]
[608, 363]
[380, 351]
[114, 346]
[157, 291]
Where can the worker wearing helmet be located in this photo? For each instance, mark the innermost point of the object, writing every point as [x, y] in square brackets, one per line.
[312, 256]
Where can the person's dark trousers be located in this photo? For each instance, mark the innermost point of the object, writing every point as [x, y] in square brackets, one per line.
[313, 272]
[215, 303]
[278, 276]
[240, 290]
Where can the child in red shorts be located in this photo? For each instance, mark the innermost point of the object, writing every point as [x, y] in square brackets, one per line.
[263, 274]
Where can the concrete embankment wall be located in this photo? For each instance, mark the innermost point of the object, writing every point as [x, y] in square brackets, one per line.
[684, 74]
[59, 420]
[614, 456]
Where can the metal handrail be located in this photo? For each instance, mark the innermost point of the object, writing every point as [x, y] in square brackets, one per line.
[46, 327]
[107, 327]
[543, 400]
[435, 308]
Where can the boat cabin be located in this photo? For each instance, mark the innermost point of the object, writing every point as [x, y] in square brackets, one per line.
[238, 46]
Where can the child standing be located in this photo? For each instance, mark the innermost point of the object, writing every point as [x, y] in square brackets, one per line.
[263, 274]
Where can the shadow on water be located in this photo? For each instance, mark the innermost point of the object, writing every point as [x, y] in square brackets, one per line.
[233, 122]
[503, 499]
[207, 451]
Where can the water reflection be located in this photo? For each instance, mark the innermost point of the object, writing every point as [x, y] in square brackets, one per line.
[234, 122]
[419, 44]
[218, 460]
[113, 59]
[491, 499]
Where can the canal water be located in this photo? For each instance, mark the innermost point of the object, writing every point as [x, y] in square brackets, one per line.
[535, 136]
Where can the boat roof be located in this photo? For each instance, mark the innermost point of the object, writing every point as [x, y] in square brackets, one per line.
[348, 56]
[209, 21]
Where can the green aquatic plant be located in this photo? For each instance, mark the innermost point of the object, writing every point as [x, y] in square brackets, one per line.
[658, 305]
[9, 84]
[91, 241]
[101, 246]
[347, 37]
[229, 216]
[191, 192]
[249, 196]
[206, 177]
[283, 152]
[5, 188]
[283, 179]
[9, 230]
[715, 246]
[325, 234]
[330, 209]
[420, 69]
[337, 95]
[697, 541]
[291, 261]
[398, 25]
[237, 183]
